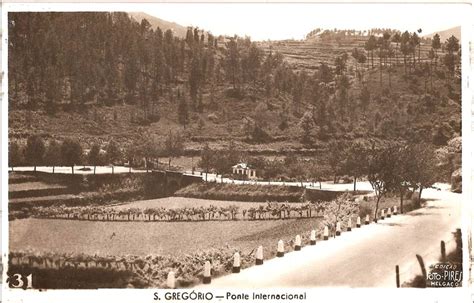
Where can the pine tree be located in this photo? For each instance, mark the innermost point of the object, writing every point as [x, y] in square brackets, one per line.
[52, 156]
[34, 151]
[71, 153]
[306, 124]
[114, 154]
[183, 111]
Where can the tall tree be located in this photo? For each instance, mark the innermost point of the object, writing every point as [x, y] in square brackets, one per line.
[306, 124]
[406, 48]
[415, 42]
[436, 45]
[232, 61]
[34, 151]
[52, 156]
[183, 116]
[336, 157]
[424, 172]
[325, 73]
[113, 154]
[450, 59]
[380, 172]
[15, 156]
[173, 146]
[371, 46]
[71, 153]
[364, 97]
[396, 38]
[94, 157]
[355, 161]
[207, 159]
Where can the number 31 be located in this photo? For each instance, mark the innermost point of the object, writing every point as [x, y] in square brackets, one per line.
[18, 281]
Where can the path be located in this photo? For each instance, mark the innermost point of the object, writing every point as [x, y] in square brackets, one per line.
[365, 257]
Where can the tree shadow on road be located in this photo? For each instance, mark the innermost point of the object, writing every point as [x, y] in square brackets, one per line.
[392, 224]
[435, 207]
[418, 214]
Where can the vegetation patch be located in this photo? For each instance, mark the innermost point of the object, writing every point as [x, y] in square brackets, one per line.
[254, 193]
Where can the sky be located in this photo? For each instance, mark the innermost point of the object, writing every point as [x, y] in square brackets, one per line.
[276, 21]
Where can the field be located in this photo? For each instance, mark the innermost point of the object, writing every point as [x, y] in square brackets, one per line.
[254, 193]
[35, 189]
[32, 186]
[143, 238]
[180, 202]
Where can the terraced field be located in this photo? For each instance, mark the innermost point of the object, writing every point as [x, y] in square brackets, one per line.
[34, 188]
[308, 54]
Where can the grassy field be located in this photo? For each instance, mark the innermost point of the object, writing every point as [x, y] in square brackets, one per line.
[179, 202]
[32, 186]
[143, 238]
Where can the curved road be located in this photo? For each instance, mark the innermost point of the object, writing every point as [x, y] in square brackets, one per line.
[365, 257]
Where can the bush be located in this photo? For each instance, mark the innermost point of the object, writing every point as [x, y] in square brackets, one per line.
[253, 193]
[364, 210]
[346, 179]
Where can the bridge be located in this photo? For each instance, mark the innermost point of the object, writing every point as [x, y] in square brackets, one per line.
[174, 180]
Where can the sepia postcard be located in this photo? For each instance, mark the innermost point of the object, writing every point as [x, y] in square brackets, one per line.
[236, 152]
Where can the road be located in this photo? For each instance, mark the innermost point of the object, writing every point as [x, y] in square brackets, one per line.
[210, 177]
[314, 185]
[364, 257]
[78, 170]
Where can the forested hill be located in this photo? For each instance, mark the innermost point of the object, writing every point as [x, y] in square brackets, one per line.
[178, 30]
[98, 76]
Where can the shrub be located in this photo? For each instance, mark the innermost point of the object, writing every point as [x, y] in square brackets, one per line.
[364, 210]
[253, 193]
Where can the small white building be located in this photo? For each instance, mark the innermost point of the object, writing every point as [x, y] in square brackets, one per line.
[244, 170]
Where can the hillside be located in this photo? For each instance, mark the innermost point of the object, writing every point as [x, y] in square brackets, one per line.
[178, 30]
[445, 34]
[270, 98]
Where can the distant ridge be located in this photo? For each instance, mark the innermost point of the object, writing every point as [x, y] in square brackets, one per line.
[443, 35]
[155, 22]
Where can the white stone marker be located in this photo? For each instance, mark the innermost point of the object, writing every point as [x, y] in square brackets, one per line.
[281, 249]
[207, 273]
[259, 256]
[312, 238]
[236, 267]
[171, 281]
[297, 242]
[326, 233]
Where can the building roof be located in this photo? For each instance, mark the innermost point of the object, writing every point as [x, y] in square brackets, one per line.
[242, 166]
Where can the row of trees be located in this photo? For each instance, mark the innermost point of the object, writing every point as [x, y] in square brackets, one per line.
[390, 167]
[270, 210]
[107, 58]
[325, 104]
[36, 152]
[70, 152]
[409, 45]
[395, 168]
